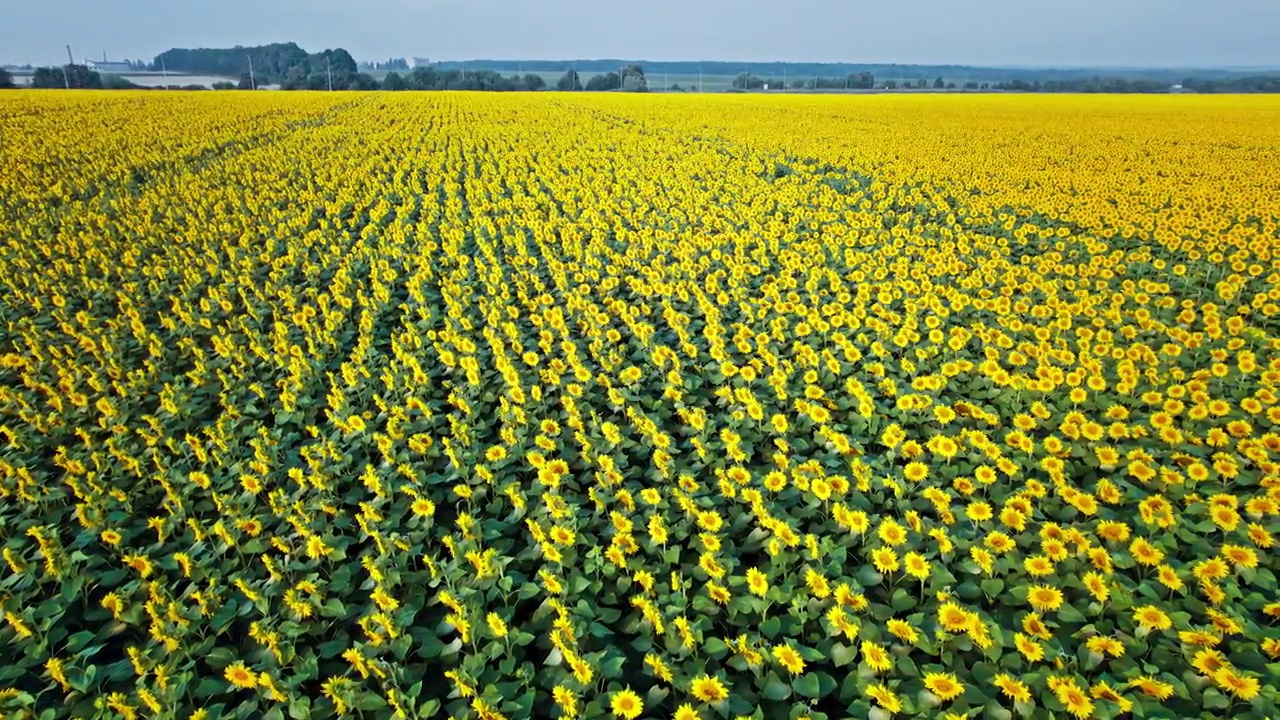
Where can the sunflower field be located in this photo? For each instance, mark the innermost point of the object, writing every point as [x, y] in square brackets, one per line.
[591, 406]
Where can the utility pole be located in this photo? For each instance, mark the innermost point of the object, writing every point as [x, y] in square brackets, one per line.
[253, 84]
[66, 72]
[328, 68]
[699, 77]
[164, 67]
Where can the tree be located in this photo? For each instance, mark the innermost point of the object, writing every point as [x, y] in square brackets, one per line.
[295, 79]
[6, 79]
[341, 61]
[569, 81]
[939, 83]
[424, 78]
[393, 82]
[73, 76]
[47, 77]
[606, 81]
[534, 82]
[861, 81]
[361, 81]
[224, 85]
[632, 78]
[747, 81]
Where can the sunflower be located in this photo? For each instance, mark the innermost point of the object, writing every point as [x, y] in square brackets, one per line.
[1208, 661]
[891, 533]
[626, 704]
[1096, 584]
[1103, 691]
[1103, 645]
[953, 618]
[915, 471]
[978, 511]
[902, 630]
[1012, 688]
[240, 676]
[1076, 700]
[917, 566]
[566, 700]
[1030, 649]
[709, 689]
[1151, 687]
[1145, 553]
[884, 697]
[1150, 617]
[876, 657]
[1038, 565]
[787, 657]
[999, 543]
[884, 559]
[719, 593]
[1044, 598]
[757, 583]
[944, 685]
[686, 712]
[1240, 556]
[1241, 686]
[1034, 626]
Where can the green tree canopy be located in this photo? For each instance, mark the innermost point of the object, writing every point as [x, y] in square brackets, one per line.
[393, 81]
[569, 81]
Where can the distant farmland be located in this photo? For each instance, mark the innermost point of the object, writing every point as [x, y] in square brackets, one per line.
[143, 79]
[658, 80]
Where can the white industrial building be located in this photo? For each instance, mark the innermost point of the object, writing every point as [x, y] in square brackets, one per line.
[104, 66]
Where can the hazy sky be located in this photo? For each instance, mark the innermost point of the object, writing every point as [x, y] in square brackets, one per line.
[978, 32]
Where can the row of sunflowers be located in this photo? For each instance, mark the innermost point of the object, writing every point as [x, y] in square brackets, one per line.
[589, 406]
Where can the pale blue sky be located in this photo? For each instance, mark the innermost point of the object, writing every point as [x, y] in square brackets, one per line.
[1166, 33]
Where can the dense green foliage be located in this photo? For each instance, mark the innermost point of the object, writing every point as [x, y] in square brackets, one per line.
[68, 76]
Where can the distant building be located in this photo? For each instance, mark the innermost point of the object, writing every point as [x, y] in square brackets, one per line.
[416, 62]
[103, 66]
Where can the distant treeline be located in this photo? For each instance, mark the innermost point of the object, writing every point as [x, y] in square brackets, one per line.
[1256, 84]
[288, 66]
[283, 64]
[888, 71]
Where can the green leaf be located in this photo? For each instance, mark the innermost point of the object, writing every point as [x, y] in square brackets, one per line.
[1069, 614]
[612, 668]
[842, 655]
[776, 689]
[807, 685]
[1214, 700]
[715, 647]
[209, 687]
